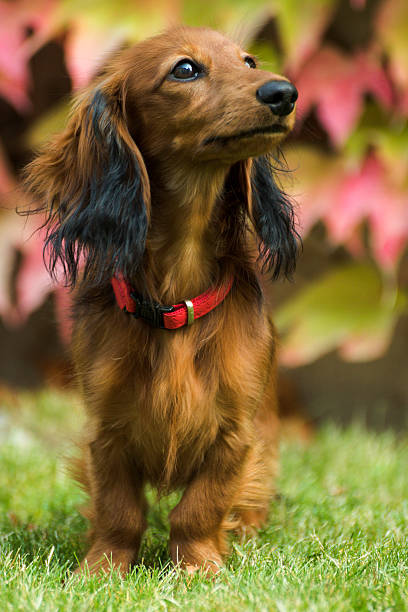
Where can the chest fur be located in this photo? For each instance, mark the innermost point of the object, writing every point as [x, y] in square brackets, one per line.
[173, 393]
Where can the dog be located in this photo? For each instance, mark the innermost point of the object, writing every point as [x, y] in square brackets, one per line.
[163, 209]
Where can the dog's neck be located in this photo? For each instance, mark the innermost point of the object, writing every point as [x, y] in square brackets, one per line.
[181, 241]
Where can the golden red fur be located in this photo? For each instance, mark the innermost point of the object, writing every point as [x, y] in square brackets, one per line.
[164, 178]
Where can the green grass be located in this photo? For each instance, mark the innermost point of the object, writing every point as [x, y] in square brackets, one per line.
[335, 540]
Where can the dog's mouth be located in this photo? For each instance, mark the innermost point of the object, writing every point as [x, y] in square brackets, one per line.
[276, 128]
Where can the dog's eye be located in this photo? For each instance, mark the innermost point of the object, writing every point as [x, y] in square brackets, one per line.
[185, 70]
[250, 62]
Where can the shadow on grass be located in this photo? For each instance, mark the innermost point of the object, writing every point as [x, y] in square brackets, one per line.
[66, 534]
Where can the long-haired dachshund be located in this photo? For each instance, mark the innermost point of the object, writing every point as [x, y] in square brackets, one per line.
[163, 209]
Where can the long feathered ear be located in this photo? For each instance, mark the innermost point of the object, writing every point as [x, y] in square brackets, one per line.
[92, 183]
[272, 215]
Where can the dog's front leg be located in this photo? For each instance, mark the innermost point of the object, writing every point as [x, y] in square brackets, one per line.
[197, 537]
[118, 507]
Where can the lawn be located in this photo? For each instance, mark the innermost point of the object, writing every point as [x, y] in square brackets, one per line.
[336, 537]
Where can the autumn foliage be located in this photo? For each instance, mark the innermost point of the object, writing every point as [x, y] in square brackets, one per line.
[350, 149]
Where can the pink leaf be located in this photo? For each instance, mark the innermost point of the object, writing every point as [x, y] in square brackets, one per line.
[16, 48]
[368, 70]
[86, 48]
[389, 223]
[13, 62]
[335, 84]
[33, 281]
[351, 202]
[370, 193]
[343, 196]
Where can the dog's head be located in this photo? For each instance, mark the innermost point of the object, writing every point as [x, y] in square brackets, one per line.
[194, 94]
[186, 98]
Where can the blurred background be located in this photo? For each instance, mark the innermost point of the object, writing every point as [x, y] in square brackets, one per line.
[344, 320]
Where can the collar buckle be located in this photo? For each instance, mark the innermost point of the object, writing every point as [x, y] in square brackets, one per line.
[152, 312]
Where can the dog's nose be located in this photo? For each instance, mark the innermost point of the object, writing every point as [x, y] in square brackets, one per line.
[280, 96]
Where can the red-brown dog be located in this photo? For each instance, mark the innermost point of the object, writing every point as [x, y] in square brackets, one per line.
[161, 188]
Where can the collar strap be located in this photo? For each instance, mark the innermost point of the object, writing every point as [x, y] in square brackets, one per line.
[168, 317]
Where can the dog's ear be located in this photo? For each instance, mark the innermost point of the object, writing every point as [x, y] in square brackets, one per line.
[272, 216]
[92, 183]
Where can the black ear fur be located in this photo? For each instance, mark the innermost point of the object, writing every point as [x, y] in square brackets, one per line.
[274, 221]
[101, 218]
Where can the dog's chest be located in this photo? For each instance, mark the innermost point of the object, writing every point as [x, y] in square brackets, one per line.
[176, 416]
[192, 397]
[170, 448]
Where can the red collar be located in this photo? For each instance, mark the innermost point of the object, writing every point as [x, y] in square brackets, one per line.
[168, 317]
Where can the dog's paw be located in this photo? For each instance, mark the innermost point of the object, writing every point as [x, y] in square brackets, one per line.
[104, 559]
[197, 556]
